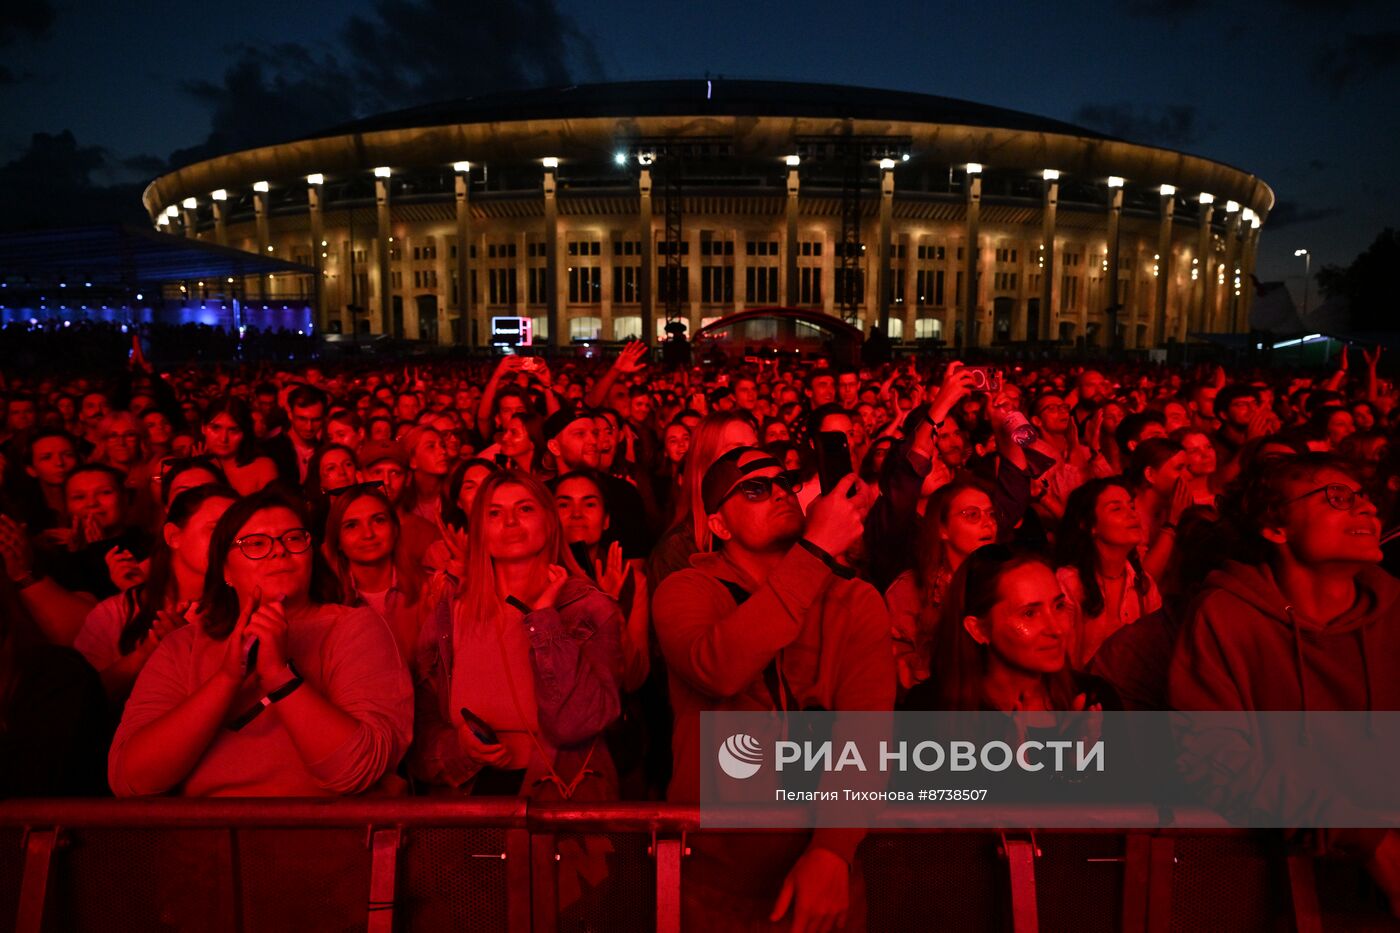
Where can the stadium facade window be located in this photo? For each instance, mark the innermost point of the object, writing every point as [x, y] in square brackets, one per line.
[627, 285]
[585, 328]
[628, 327]
[810, 285]
[928, 328]
[585, 285]
[761, 284]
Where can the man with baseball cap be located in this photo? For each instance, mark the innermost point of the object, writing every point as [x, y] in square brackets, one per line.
[771, 620]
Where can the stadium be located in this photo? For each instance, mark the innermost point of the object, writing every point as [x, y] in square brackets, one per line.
[603, 212]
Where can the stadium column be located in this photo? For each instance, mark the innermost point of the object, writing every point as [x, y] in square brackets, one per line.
[551, 260]
[1047, 327]
[971, 335]
[189, 220]
[260, 193]
[1201, 319]
[647, 272]
[690, 268]
[882, 274]
[382, 317]
[1251, 240]
[741, 263]
[1232, 262]
[909, 309]
[313, 201]
[465, 304]
[1112, 316]
[220, 223]
[605, 300]
[790, 244]
[1164, 268]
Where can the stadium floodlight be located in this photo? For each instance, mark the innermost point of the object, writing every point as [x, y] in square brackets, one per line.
[1115, 181]
[1231, 206]
[189, 204]
[887, 164]
[382, 171]
[162, 221]
[315, 178]
[1168, 190]
[1051, 174]
[1207, 198]
[219, 194]
[261, 187]
[172, 211]
[550, 162]
[793, 161]
[1255, 221]
[974, 168]
[1247, 215]
[620, 158]
[462, 168]
[904, 158]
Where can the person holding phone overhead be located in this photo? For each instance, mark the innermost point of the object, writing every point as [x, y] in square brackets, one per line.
[517, 672]
[278, 691]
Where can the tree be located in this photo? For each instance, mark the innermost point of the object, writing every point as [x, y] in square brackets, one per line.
[1367, 284]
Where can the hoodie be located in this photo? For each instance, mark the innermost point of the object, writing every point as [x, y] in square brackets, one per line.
[1245, 648]
[830, 639]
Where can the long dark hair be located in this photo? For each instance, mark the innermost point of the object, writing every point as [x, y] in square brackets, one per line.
[1074, 542]
[452, 512]
[410, 574]
[959, 663]
[153, 595]
[238, 410]
[219, 602]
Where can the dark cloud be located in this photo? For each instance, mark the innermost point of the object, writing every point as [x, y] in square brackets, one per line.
[32, 19]
[1166, 9]
[405, 53]
[1289, 214]
[1166, 125]
[56, 182]
[1359, 57]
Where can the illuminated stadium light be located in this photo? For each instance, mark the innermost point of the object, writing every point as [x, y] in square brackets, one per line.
[461, 168]
[1051, 174]
[550, 162]
[793, 161]
[261, 187]
[974, 168]
[382, 171]
[172, 211]
[1115, 181]
[620, 158]
[189, 204]
[1231, 206]
[315, 178]
[1247, 216]
[1207, 198]
[162, 221]
[219, 194]
[886, 164]
[1168, 190]
[904, 158]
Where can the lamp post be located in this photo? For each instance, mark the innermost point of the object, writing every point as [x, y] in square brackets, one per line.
[1307, 273]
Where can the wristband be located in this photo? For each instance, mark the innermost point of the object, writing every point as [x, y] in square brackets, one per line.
[821, 554]
[281, 693]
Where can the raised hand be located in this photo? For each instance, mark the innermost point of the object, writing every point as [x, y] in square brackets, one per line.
[835, 520]
[629, 361]
[557, 577]
[234, 663]
[612, 574]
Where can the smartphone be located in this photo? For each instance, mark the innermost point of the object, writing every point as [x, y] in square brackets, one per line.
[484, 733]
[985, 379]
[833, 459]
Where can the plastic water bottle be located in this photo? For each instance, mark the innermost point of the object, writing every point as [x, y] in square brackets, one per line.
[1022, 431]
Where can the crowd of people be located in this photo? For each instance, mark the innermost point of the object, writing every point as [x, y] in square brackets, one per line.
[531, 577]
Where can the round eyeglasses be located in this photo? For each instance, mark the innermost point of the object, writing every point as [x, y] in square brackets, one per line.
[1339, 495]
[258, 546]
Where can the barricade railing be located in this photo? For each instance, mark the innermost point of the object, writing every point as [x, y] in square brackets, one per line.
[386, 864]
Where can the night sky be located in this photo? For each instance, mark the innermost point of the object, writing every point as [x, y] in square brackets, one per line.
[1302, 93]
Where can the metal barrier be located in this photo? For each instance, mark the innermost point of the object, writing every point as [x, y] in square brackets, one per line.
[494, 865]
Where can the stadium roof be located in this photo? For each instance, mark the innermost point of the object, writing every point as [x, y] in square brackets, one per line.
[699, 97]
[122, 255]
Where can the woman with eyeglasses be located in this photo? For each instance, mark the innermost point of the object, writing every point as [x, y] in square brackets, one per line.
[278, 691]
[121, 633]
[362, 547]
[517, 680]
[1100, 570]
[229, 439]
[958, 519]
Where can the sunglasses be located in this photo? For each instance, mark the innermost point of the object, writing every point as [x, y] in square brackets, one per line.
[259, 546]
[760, 488]
[1340, 496]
